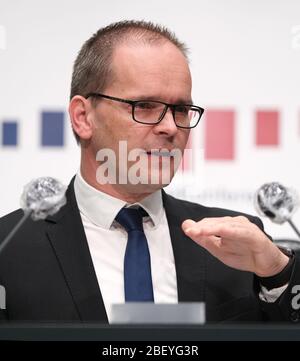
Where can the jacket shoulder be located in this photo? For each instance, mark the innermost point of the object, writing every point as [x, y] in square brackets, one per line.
[8, 222]
[201, 211]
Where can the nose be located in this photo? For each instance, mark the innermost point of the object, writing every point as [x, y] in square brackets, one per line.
[167, 125]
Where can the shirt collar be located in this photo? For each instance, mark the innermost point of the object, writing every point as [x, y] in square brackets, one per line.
[101, 208]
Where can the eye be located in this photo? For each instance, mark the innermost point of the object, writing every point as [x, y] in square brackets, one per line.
[146, 105]
[183, 109]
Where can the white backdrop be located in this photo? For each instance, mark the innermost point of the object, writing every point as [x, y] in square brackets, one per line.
[245, 55]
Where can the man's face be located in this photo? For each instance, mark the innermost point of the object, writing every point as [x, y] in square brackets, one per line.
[143, 72]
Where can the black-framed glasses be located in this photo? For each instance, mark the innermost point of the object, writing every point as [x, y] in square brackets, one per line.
[185, 116]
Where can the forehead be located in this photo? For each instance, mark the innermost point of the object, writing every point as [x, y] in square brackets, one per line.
[159, 70]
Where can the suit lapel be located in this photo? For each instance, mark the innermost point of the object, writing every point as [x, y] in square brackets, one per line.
[68, 239]
[190, 258]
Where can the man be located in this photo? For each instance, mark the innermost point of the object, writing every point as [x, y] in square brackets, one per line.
[131, 83]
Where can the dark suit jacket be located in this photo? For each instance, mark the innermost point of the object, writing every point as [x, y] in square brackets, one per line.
[48, 274]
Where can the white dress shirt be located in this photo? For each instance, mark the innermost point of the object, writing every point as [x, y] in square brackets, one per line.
[107, 243]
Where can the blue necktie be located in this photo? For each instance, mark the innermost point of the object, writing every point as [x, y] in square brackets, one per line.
[137, 267]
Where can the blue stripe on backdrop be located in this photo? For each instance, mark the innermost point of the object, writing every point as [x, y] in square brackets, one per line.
[9, 133]
[52, 129]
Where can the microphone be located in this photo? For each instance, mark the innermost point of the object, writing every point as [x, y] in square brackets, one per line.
[277, 202]
[41, 198]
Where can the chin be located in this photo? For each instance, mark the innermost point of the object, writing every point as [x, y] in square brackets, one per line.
[142, 188]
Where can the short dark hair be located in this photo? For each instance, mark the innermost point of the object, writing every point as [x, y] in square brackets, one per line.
[92, 67]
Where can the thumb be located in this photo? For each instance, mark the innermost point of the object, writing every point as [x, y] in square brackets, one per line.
[187, 225]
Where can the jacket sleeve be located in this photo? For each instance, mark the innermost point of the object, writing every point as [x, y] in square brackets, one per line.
[287, 307]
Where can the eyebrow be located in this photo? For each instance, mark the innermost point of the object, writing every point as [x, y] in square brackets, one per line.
[154, 98]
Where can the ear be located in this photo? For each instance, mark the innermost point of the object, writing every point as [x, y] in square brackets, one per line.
[79, 109]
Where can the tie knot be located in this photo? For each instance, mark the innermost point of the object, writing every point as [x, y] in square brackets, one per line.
[131, 218]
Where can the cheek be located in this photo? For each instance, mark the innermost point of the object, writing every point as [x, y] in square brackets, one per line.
[106, 131]
[183, 139]
[137, 135]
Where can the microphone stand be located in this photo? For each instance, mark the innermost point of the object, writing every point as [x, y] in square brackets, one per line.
[27, 214]
[291, 223]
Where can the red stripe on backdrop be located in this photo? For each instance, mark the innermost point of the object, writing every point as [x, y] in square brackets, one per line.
[267, 127]
[186, 163]
[219, 143]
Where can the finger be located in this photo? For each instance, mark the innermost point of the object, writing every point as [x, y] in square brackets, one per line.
[234, 221]
[226, 231]
[223, 230]
[212, 244]
[187, 224]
